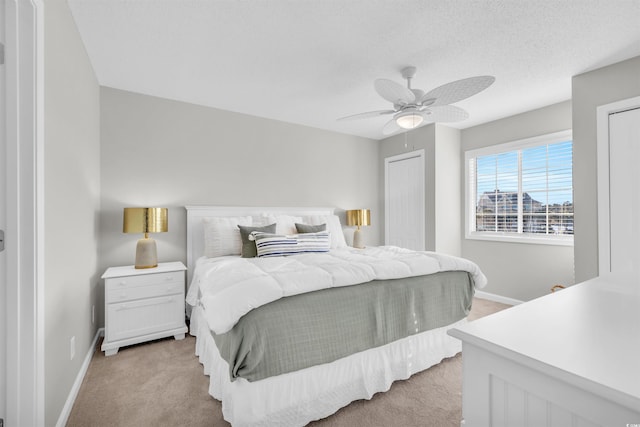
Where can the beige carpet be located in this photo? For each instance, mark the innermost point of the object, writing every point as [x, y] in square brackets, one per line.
[162, 384]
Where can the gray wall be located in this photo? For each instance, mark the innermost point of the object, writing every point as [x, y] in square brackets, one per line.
[517, 270]
[448, 179]
[442, 182]
[71, 205]
[590, 90]
[159, 152]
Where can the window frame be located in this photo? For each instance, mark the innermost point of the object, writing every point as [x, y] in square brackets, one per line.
[470, 196]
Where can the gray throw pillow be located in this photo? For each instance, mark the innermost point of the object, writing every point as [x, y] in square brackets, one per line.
[307, 228]
[249, 246]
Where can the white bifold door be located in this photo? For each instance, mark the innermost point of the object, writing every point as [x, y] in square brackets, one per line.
[618, 172]
[405, 200]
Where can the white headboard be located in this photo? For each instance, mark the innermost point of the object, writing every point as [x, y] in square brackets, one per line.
[195, 228]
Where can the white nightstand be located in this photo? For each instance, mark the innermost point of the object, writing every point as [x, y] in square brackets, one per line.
[143, 305]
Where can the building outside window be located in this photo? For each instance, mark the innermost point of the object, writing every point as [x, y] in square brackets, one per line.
[521, 191]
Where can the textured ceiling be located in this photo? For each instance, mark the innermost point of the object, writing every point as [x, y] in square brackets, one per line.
[312, 61]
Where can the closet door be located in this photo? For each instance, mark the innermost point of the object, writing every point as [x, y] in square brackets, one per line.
[619, 191]
[404, 201]
[624, 189]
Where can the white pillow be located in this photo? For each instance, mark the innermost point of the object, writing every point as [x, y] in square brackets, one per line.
[285, 224]
[222, 235]
[333, 226]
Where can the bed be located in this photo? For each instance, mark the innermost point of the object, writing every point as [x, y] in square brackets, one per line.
[287, 340]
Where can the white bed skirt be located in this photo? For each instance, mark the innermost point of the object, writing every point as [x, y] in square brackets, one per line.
[297, 398]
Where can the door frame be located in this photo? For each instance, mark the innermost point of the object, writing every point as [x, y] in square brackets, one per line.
[3, 225]
[604, 237]
[24, 64]
[399, 157]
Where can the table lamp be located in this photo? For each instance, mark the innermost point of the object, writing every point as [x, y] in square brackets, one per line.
[358, 217]
[145, 220]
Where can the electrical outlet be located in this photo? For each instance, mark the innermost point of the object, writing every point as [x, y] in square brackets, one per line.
[93, 314]
[73, 347]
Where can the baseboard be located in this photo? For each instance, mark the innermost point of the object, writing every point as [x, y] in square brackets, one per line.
[497, 298]
[75, 389]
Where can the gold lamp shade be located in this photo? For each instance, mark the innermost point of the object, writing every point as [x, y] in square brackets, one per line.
[358, 218]
[145, 220]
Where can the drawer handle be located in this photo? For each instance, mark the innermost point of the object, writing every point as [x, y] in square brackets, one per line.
[128, 306]
[123, 282]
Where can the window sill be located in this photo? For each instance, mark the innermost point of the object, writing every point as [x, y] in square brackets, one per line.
[526, 239]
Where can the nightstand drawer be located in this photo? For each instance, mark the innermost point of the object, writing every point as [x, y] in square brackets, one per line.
[136, 318]
[144, 280]
[125, 293]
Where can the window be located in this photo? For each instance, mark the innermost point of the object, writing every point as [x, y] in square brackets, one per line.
[521, 191]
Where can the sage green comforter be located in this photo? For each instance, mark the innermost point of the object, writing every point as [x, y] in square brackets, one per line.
[304, 330]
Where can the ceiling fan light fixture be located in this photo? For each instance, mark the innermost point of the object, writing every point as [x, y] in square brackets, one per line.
[409, 120]
[413, 107]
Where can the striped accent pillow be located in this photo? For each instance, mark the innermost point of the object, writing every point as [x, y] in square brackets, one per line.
[269, 245]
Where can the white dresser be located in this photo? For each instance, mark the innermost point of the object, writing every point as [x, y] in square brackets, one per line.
[571, 358]
[143, 304]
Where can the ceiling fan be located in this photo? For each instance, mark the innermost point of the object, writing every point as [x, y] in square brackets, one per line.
[414, 107]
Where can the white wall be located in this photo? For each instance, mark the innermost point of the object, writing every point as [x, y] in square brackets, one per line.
[590, 90]
[72, 188]
[517, 270]
[442, 181]
[448, 177]
[167, 153]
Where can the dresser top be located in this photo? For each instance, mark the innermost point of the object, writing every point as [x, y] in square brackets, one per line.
[130, 270]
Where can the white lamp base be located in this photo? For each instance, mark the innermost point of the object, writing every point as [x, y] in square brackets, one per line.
[146, 253]
[358, 241]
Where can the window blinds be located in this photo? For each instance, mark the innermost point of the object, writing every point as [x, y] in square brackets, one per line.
[527, 190]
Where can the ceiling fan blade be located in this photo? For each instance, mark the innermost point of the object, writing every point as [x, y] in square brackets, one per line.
[394, 92]
[456, 91]
[446, 113]
[367, 115]
[391, 127]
